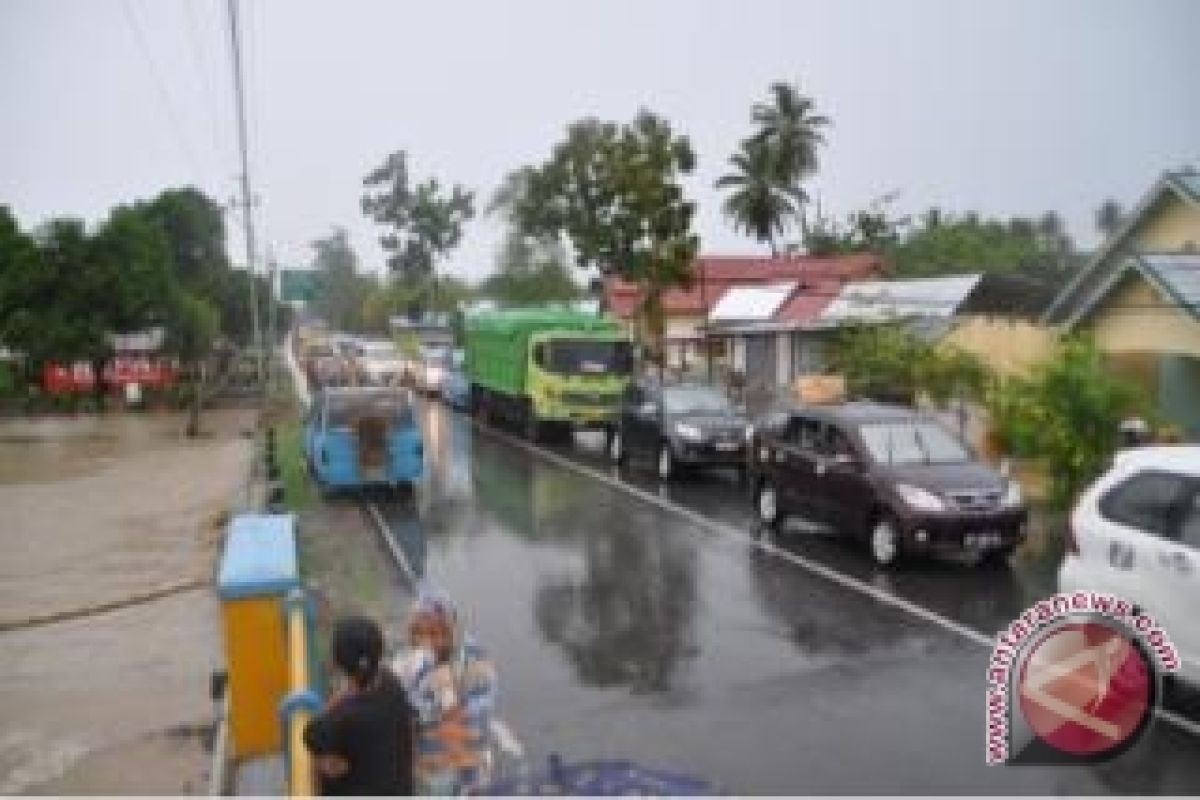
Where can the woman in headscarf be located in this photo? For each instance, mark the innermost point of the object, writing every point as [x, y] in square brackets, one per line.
[452, 685]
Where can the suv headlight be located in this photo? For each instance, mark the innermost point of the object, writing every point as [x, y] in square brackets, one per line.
[920, 499]
[1012, 495]
[689, 432]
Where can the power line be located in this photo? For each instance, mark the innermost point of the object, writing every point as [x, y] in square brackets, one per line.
[247, 216]
[205, 82]
[163, 96]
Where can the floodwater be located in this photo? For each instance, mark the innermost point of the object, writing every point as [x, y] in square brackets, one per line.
[109, 626]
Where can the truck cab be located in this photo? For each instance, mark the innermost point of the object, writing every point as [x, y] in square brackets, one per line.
[547, 370]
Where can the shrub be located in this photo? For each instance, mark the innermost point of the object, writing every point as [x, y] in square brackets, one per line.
[1067, 414]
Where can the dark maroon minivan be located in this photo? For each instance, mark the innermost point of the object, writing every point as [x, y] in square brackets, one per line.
[894, 477]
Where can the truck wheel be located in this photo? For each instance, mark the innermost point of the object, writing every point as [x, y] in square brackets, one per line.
[616, 447]
[666, 462]
[534, 429]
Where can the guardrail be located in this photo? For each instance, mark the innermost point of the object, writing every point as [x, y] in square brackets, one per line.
[301, 702]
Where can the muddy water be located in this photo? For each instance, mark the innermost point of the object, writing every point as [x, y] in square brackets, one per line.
[97, 512]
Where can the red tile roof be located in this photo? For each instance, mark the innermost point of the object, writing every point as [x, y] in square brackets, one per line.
[714, 275]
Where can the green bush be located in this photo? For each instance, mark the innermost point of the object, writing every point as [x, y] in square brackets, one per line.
[1065, 414]
[888, 362]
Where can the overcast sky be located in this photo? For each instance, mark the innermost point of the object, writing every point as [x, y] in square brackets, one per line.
[1003, 107]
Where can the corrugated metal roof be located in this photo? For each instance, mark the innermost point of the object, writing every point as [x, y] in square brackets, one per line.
[1180, 276]
[879, 301]
[751, 303]
[1190, 182]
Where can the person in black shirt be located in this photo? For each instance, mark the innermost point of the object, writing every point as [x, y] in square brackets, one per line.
[362, 742]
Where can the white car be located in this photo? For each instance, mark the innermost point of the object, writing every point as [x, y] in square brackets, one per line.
[379, 363]
[431, 369]
[1135, 533]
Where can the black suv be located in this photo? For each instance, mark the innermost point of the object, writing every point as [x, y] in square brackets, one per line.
[679, 425]
[891, 476]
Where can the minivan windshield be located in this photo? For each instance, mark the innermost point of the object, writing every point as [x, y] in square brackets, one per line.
[582, 357]
[695, 400]
[912, 442]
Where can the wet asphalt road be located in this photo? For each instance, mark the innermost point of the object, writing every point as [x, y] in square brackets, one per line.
[624, 629]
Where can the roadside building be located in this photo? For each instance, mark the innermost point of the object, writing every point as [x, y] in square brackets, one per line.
[1139, 298]
[686, 311]
[781, 341]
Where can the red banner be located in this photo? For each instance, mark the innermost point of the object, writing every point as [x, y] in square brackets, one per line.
[150, 373]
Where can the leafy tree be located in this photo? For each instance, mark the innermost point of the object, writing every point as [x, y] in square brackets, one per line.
[530, 272]
[63, 304]
[425, 224]
[1109, 217]
[1067, 414]
[194, 325]
[614, 192]
[969, 243]
[195, 233]
[341, 289]
[399, 297]
[887, 362]
[758, 202]
[872, 230]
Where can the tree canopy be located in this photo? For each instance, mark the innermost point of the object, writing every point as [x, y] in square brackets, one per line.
[424, 223]
[530, 272]
[614, 191]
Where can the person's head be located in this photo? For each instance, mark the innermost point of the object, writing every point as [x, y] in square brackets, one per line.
[358, 648]
[432, 624]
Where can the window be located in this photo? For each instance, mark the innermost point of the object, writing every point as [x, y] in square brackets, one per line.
[1148, 501]
[912, 442]
[695, 400]
[805, 433]
[1189, 525]
[835, 443]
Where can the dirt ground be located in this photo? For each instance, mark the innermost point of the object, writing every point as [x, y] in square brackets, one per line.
[109, 625]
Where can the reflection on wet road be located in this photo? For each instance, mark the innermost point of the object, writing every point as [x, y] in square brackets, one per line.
[623, 629]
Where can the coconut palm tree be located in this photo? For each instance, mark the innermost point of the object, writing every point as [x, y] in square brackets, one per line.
[790, 126]
[758, 202]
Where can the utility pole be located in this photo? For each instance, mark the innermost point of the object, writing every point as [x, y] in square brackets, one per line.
[247, 222]
[272, 337]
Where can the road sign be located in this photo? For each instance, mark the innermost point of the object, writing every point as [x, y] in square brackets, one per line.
[297, 285]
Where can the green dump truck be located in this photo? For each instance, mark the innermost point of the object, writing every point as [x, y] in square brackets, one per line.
[547, 370]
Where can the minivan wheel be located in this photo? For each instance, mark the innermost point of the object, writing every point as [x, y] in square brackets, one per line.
[666, 462]
[767, 505]
[885, 542]
[998, 558]
[616, 447]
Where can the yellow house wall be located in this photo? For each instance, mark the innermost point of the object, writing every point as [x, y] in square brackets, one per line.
[1007, 347]
[1168, 227]
[1136, 318]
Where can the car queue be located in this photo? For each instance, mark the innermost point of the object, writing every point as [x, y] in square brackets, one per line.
[892, 478]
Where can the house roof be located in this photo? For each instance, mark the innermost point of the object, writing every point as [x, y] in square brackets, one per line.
[806, 306]
[1184, 184]
[1010, 294]
[881, 301]
[751, 303]
[1176, 276]
[712, 276]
